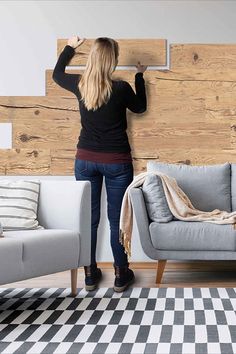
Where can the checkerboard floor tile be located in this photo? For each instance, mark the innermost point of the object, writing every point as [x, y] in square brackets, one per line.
[139, 320]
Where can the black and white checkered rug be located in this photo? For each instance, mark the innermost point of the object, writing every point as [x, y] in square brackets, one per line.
[139, 320]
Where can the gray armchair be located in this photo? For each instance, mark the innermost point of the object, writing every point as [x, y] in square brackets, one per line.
[208, 187]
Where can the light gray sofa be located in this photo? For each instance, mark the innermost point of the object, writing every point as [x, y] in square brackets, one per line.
[208, 187]
[65, 212]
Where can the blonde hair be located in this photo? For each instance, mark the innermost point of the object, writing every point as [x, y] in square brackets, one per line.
[95, 84]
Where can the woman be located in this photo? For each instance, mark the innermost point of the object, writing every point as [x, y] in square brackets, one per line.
[103, 148]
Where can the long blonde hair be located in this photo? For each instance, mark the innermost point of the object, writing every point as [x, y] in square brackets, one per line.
[95, 84]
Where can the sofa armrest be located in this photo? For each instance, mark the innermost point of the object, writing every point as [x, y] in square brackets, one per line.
[142, 220]
[65, 204]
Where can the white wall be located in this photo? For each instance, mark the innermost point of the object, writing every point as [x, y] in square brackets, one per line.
[29, 31]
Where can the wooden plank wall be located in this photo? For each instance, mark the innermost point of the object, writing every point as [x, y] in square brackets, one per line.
[191, 115]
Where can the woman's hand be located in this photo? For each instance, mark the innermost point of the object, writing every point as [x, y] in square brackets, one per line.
[75, 41]
[141, 68]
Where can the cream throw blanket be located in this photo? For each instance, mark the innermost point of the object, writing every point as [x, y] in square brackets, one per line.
[179, 204]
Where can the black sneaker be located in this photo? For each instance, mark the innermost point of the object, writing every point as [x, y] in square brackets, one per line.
[124, 277]
[92, 277]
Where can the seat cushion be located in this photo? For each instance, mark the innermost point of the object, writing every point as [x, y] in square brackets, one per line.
[208, 187]
[46, 251]
[192, 236]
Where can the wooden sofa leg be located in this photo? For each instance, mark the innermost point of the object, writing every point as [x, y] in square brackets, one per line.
[160, 269]
[74, 273]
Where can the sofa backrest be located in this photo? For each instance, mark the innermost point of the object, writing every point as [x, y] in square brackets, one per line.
[208, 186]
[60, 200]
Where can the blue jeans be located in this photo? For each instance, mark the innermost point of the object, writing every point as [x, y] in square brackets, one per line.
[117, 178]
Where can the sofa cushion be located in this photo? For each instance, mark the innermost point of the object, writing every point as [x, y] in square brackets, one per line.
[155, 199]
[46, 251]
[208, 187]
[19, 204]
[192, 236]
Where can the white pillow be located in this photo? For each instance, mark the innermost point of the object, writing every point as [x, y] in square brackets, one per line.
[19, 204]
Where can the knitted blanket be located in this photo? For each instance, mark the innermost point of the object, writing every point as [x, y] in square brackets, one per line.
[179, 204]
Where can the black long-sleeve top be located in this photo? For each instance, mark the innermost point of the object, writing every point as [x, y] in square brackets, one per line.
[105, 128]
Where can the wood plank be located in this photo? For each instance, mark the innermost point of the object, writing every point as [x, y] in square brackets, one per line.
[2, 170]
[25, 161]
[46, 133]
[147, 51]
[3, 161]
[210, 85]
[43, 122]
[197, 61]
[190, 274]
[177, 140]
[5, 103]
[233, 135]
[140, 164]
[34, 106]
[203, 56]
[196, 156]
[62, 162]
[53, 89]
[178, 100]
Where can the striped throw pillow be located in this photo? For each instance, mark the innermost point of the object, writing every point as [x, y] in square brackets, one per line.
[19, 204]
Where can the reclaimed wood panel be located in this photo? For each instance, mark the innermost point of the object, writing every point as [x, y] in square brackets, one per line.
[216, 62]
[148, 51]
[203, 61]
[179, 100]
[170, 123]
[191, 116]
[3, 161]
[42, 122]
[25, 161]
[46, 133]
[62, 161]
[176, 99]
[34, 106]
[53, 89]
[197, 156]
